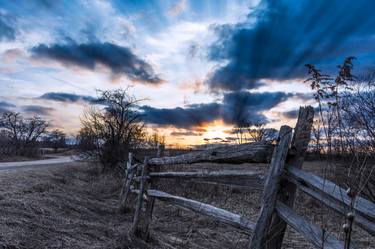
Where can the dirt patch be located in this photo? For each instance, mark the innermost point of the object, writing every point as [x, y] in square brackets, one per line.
[76, 207]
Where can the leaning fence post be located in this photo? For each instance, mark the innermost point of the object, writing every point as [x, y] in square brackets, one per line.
[301, 138]
[138, 208]
[127, 183]
[271, 188]
[151, 200]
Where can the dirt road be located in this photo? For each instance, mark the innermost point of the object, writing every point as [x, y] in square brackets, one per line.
[36, 163]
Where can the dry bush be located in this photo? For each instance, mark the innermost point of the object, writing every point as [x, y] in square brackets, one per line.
[111, 128]
[344, 133]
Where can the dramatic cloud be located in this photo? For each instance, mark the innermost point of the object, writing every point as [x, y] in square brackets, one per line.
[236, 108]
[281, 36]
[68, 97]
[37, 110]
[7, 32]
[193, 115]
[244, 107]
[120, 60]
[5, 106]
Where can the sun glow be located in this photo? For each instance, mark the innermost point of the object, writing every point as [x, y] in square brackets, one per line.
[216, 129]
[213, 132]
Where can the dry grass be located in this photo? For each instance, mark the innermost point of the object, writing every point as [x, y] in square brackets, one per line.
[75, 207]
[61, 207]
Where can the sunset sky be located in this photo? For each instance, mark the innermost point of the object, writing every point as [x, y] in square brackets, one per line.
[201, 66]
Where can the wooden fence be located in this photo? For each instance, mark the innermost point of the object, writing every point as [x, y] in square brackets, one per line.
[285, 176]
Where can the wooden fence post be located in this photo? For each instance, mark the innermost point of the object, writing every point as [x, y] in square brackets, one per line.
[127, 183]
[151, 200]
[300, 141]
[138, 207]
[271, 188]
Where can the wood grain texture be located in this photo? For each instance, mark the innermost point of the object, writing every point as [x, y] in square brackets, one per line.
[145, 234]
[218, 214]
[271, 188]
[300, 141]
[129, 176]
[362, 206]
[241, 179]
[209, 174]
[258, 152]
[138, 207]
[336, 205]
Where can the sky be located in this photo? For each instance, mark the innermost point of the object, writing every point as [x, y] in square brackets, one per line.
[200, 66]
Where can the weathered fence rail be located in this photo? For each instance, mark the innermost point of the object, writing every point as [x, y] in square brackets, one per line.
[258, 152]
[285, 176]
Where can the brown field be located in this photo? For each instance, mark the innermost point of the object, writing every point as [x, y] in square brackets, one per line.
[73, 206]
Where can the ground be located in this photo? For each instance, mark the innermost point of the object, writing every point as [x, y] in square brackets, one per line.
[73, 206]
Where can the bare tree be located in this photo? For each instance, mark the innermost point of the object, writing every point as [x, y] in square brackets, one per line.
[154, 140]
[112, 128]
[56, 139]
[260, 133]
[23, 133]
[254, 133]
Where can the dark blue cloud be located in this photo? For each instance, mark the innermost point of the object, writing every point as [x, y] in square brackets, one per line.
[193, 115]
[37, 109]
[68, 97]
[243, 107]
[5, 106]
[280, 36]
[7, 32]
[120, 60]
[236, 108]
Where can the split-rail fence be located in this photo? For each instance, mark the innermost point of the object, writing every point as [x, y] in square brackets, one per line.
[284, 177]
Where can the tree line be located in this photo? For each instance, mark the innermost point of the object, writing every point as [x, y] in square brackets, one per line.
[23, 136]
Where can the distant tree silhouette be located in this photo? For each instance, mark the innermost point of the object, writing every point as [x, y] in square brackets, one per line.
[22, 133]
[56, 139]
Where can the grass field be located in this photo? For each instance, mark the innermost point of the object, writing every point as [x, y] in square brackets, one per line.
[75, 207]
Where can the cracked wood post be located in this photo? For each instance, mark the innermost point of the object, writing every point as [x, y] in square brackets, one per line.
[129, 163]
[300, 141]
[151, 200]
[271, 188]
[127, 183]
[138, 207]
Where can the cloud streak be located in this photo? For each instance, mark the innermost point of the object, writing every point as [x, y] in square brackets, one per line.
[68, 97]
[280, 37]
[120, 60]
[5, 106]
[37, 110]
